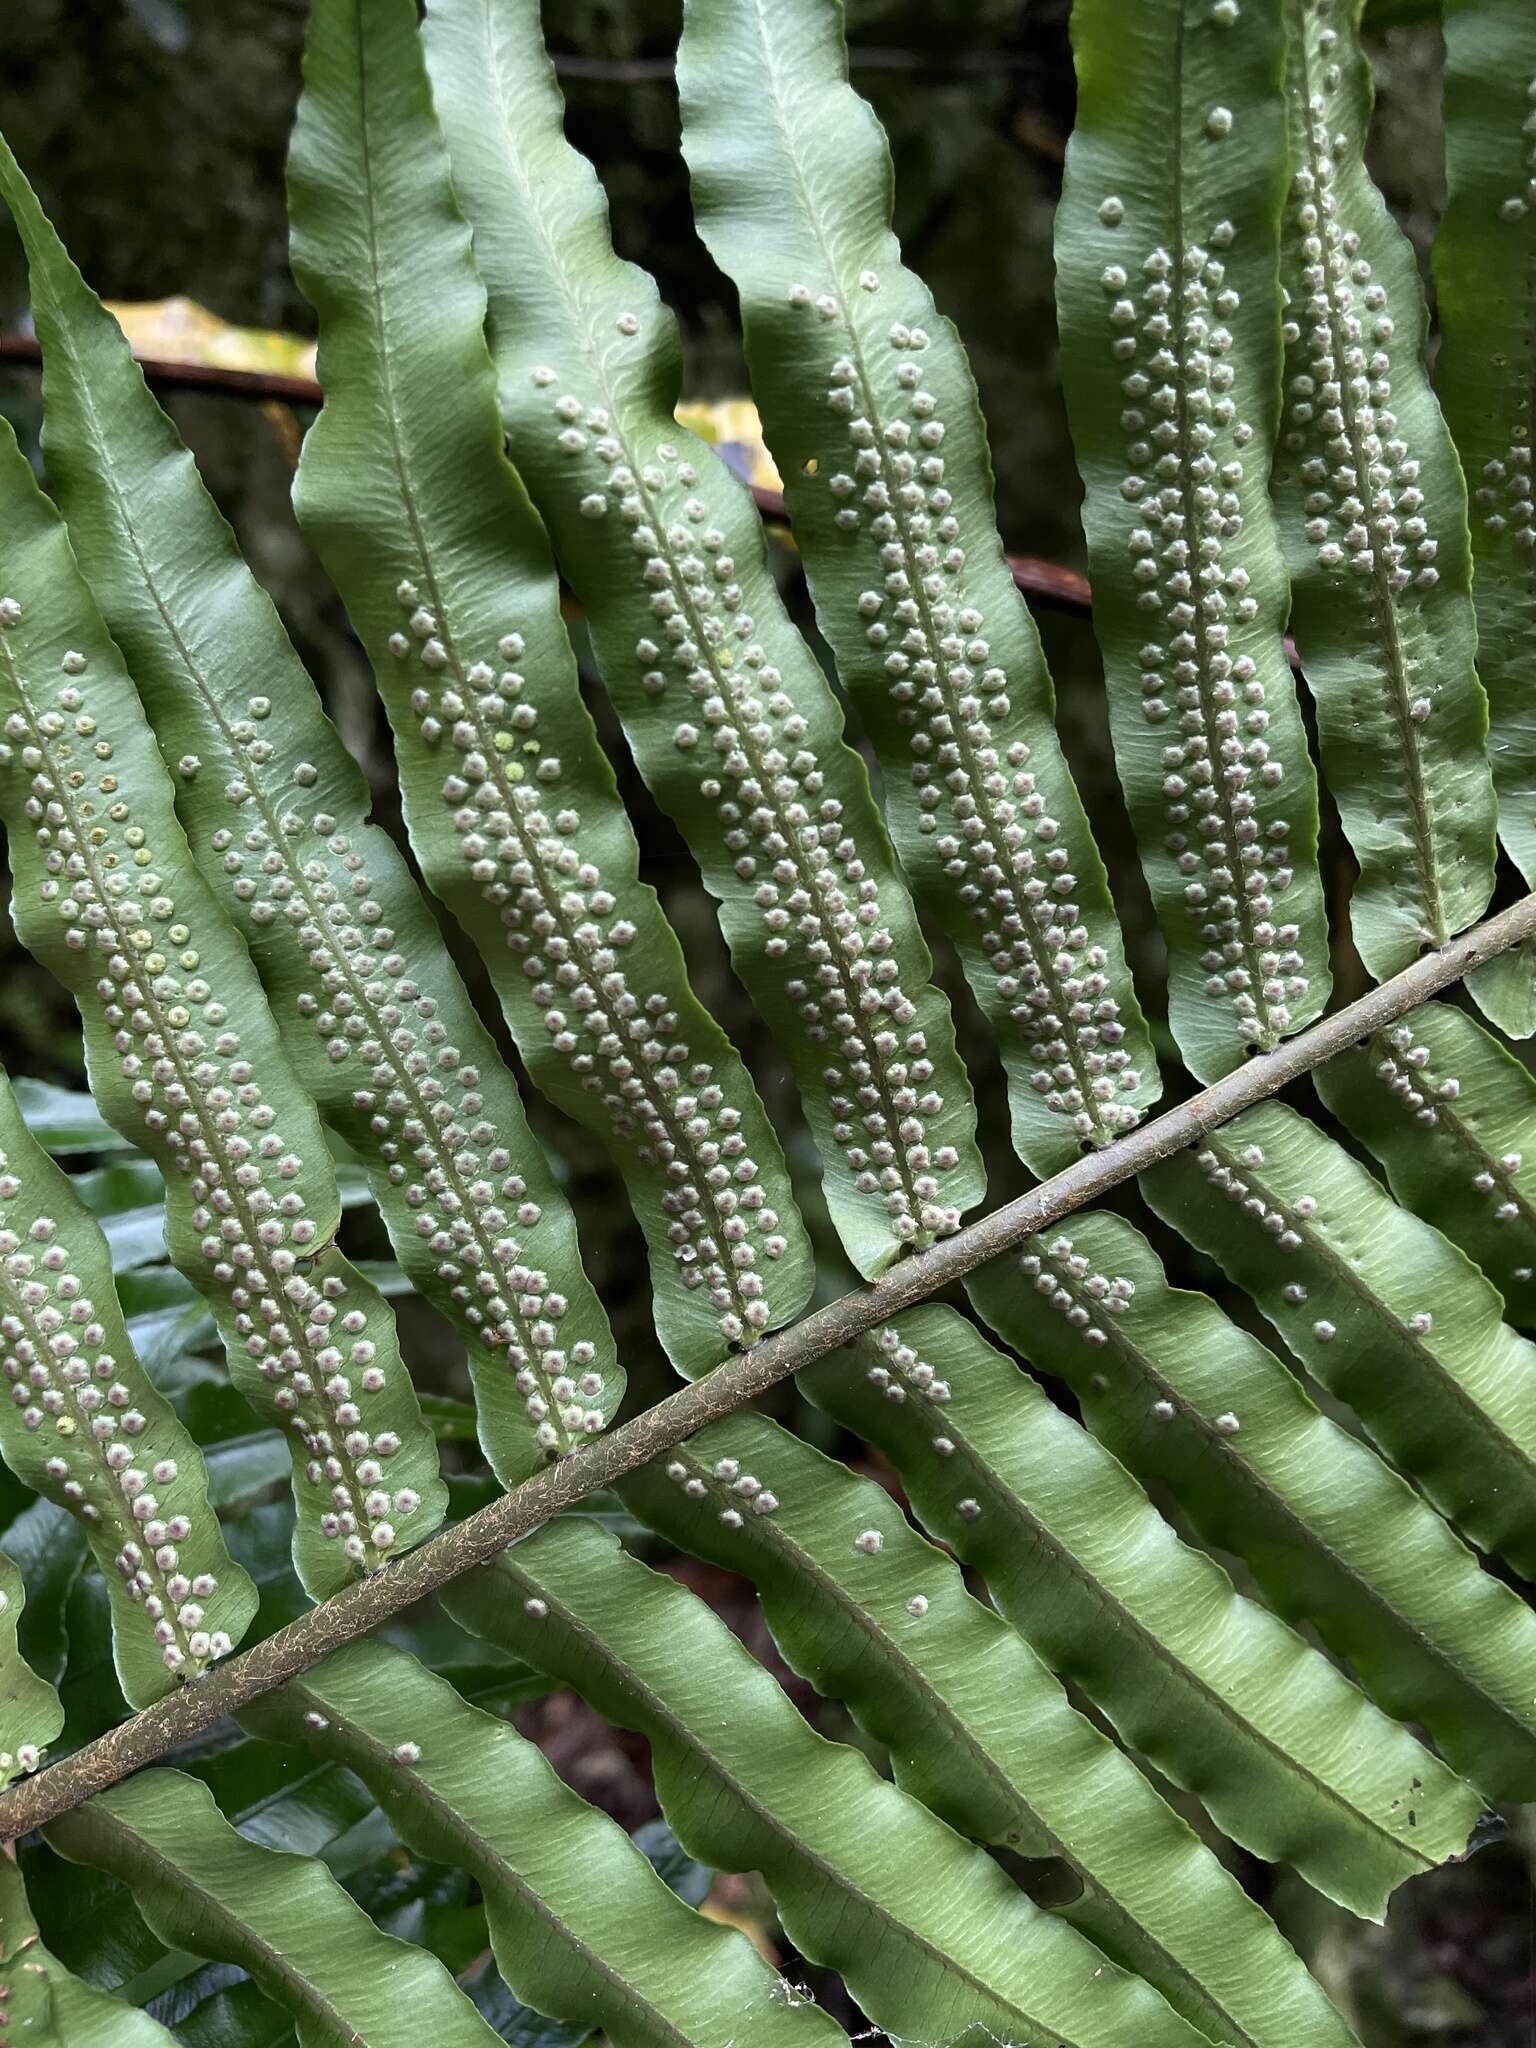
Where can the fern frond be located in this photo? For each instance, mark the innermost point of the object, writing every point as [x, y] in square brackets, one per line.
[1485, 279]
[1333, 1536]
[1372, 511]
[283, 1919]
[30, 1713]
[186, 1061]
[1286, 1756]
[372, 1011]
[85, 1426]
[1452, 1119]
[1379, 1307]
[934, 1942]
[732, 722]
[976, 1727]
[44, 2004]
[583, 1928]
[511, 802]
[1166, 249]
[869, 406]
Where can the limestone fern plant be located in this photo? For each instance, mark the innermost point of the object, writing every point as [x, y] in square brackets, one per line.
[1298, 1649]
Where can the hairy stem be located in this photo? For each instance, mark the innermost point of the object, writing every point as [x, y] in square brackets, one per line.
[362, 1606]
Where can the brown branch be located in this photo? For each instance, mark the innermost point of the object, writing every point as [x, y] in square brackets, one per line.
[261, 385]
[476, 1541]
[1060, 589]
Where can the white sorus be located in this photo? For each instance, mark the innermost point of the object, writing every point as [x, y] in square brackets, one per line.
[53, 1349]
[535, 1607]
[869, 1540]
[1370, 526]
[917, 1606]
[822, 922]
[993, 841]
[1226, 829]
[203, 1111]
[407, 1753]
[521, 841]
[1246, 1193]
[1404, 1063]
[1228, 1424]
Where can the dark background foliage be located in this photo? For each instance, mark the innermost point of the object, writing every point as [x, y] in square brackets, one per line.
[155, 131]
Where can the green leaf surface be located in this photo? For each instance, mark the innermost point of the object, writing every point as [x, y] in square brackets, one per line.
[1166, 251]
[185, 1059]
[1452, 1119]
[44, 2005]
[870, 408]
[512, 804]
[85, 1426]
[1372, 513]
[280, 1917]
[1386, 1312]
[1485, 275]
[1287, 1757]
[1332, 1535]
[732, 721]
[582, 1927]
[932, 1939]
[976, 1727]
[30, 1713]
[373, 1013]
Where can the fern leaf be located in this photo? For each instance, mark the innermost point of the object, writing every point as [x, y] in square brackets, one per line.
[1166, 246]
[1372, 511]
[1452, 1118]
[374, 1016]
[30, 1713]
[934, 1942]
[1287, 1757]
[976, 1727]
[583, 1928]
[511, 802]
[1485, 278]
[1385, 1312]
[85, 1426]
[284, 1919]
[45, 2005]
[732, 722]
[869, 406]
[186, 1061]
[1333, 1536]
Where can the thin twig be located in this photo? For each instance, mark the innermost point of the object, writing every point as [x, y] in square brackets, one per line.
[362, 1607]
[1057, 588]
[261, 385]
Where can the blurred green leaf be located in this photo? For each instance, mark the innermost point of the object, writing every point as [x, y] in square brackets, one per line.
[48, 1547]
[517, 2025]
[66, 1120]
[217, 2006]
[691, 1880]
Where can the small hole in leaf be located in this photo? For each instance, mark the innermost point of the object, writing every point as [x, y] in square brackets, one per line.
[810, 466]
